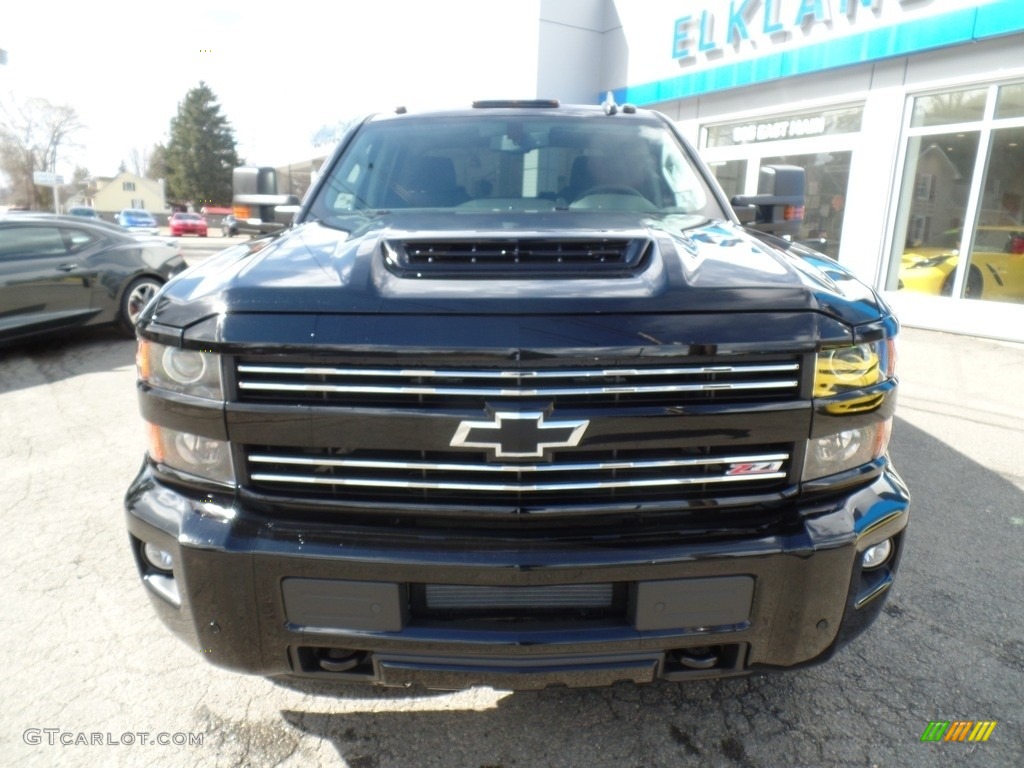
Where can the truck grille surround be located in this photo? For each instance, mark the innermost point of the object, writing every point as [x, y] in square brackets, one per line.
[622, 473]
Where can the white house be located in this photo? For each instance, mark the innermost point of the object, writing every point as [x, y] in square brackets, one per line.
[127, 190]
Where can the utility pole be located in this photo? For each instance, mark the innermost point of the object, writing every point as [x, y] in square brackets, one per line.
[56, 187]
[3, 62]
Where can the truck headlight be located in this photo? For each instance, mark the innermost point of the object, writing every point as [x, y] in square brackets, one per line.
[186, 371]
[854, 367]
[196, 455]
[844, 450]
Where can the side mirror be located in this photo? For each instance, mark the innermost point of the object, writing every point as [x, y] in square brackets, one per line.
[285, 214]
[778, 206]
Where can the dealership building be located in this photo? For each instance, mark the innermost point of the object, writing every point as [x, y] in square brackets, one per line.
[907, 115]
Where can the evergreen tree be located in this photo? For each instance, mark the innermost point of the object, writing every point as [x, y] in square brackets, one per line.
[201, 152]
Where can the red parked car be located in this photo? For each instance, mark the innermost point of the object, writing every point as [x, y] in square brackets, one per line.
[188, 224]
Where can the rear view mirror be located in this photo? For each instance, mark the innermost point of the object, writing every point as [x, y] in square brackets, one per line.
[778, 206]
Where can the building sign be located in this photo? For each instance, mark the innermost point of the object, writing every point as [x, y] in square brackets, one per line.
[827, 122]
[710, 31]
[779, 129]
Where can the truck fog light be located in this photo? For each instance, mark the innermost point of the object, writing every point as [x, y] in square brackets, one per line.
[876, 555]
[195, 454]
[830, 454]
[198, 450]
[158, 558]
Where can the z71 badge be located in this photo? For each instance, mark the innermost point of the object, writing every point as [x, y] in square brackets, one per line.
[754, 468]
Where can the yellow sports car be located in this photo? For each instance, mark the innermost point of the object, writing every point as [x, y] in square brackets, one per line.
[996, 265]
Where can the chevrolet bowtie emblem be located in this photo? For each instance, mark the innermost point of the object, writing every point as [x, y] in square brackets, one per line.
[514, 435]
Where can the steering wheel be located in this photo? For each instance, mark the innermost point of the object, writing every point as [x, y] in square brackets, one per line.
[611, 189]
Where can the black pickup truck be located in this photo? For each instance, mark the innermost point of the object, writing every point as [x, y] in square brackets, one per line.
[517, 400]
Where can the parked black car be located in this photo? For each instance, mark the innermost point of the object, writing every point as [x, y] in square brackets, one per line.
[518, 401]
[58, 272]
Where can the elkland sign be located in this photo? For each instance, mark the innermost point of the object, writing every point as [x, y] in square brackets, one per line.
[756, 24]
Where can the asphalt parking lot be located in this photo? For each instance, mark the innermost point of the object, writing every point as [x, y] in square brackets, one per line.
[92, 678]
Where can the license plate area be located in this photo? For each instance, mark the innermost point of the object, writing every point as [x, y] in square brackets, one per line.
[571, 602]
[515, 674]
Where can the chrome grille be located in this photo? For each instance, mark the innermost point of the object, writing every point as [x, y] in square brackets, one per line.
[452, 478]
[658, 385]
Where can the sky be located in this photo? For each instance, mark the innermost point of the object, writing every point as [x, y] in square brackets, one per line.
[279, 70]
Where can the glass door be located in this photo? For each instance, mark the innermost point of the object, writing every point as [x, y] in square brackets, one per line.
[959, 227]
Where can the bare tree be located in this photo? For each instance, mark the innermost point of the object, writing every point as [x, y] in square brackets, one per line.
[139, 159]
[157, 162]
[79, 183]
[32, 135]
[80, 178]
[330, 134]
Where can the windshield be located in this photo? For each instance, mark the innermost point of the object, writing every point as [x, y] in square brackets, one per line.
[483, 163]
[137, 217]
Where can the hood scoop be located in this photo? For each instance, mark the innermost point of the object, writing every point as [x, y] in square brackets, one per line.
[516, 258]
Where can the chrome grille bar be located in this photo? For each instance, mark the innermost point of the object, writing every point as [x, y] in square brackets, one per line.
[466, 383]
[596, 485]
[514, 374]
[597, 466]
[318, 477]
[518, 392]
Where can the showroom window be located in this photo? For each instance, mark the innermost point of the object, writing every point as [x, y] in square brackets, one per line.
[821, 142]
[731, 174]
[827, 176]
[959, 228]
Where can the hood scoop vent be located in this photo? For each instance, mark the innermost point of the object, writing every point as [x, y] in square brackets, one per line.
[517, 258]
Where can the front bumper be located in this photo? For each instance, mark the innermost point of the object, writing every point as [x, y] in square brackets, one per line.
[333, 601]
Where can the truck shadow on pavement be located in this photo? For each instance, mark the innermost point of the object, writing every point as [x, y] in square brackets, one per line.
[949, 645]
[623, 725]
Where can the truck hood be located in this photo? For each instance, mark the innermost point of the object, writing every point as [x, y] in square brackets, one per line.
[688, 265]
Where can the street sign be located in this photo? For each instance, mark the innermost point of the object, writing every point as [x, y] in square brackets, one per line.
[47, 179]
